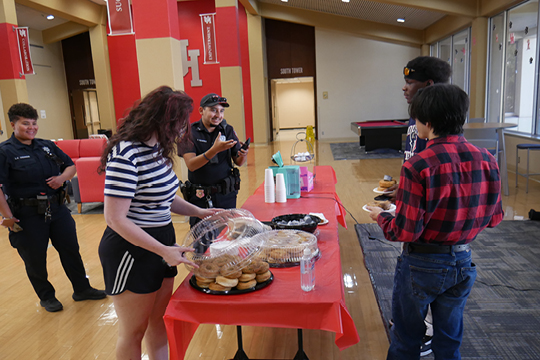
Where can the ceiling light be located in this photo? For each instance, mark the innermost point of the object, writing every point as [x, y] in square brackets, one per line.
[50, 17]
[284, 0]
[346, 0]
[401, 20]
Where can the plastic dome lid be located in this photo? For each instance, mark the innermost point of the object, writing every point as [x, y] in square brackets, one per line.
[225, 240]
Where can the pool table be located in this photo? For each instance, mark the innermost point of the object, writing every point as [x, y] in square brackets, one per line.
[377, 134]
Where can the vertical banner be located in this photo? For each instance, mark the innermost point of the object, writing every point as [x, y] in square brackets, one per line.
[209, 38]
[119, 13]
[24, 50]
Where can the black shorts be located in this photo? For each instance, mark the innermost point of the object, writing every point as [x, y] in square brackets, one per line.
[130, 267]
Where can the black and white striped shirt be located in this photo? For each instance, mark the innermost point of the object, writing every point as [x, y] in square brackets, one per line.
[135, 171]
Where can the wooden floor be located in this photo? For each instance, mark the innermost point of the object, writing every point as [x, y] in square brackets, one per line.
[88, 330]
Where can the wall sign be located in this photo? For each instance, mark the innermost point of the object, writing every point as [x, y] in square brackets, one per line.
[295, 70]
[209, 38]
[24, 50]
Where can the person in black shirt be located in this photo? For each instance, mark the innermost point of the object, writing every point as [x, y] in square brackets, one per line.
[32, 173]
[213, 179]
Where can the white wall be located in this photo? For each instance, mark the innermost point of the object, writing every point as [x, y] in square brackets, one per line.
[47, 88]
[295, 105]
[363, 79]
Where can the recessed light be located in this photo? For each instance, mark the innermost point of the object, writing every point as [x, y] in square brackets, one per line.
[50, 17]
[284, 0]
[401, 20]
[346, 0]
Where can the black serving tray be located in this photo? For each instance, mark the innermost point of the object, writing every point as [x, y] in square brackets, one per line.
[233, 291]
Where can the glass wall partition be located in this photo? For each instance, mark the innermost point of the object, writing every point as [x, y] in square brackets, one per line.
[456, 50]
[512, 81]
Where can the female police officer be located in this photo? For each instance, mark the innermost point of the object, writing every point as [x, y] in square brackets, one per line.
[32, 174]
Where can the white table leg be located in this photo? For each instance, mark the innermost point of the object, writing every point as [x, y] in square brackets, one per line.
[502, 163]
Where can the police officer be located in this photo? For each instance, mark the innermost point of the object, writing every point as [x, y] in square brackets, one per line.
[32, 173]
[213, 179]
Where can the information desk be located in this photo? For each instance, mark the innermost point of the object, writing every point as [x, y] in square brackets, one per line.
[378, 134]
[281, 304]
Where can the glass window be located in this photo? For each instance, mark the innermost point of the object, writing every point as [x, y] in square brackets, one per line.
[495, 74]
[433, 50]
[461, 59]
[445, 49]
[519, 83]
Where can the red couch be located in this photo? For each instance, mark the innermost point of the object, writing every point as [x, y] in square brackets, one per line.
[88, 184]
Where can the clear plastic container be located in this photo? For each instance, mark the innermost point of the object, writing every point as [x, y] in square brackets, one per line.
[285, 248]
[224, 242]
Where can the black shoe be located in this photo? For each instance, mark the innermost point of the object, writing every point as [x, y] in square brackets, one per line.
[51, 305]
[425, 349]
[89, 294]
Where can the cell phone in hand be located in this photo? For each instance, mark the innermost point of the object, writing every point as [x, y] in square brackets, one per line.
[246, 144]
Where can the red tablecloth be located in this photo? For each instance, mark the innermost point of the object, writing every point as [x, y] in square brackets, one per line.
[282, 303]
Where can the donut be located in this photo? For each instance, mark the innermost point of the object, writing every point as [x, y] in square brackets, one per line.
[263, 277]
[208, 269]
[203, 285]
[230, 272]
[222, 260]
[263, 268]
[217, 287]
[247, 277]
[253, 267]
[226, 282]
[385, 205]
[201, 279]
[385, 184]
[279, 254]
[246, 285]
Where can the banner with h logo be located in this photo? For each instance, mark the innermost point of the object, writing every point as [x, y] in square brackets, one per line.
[209, 38]
[24, 50]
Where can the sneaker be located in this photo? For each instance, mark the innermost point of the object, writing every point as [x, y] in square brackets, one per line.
[51, 305]
[425, 349]
[89, 294]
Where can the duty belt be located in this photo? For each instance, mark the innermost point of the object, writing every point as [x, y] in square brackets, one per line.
[435, 249]
[55, 199]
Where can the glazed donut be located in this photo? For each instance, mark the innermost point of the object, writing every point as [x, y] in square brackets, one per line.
[203, 285]
[264, 268]
[222, 260]
[263, 277]
[247, 277]
[201, 279]
[385, 184]
[385, 205]
[230, 272]
[208, 269]
[217, 287]
[226, 282]
[253, 267]
[246, 285]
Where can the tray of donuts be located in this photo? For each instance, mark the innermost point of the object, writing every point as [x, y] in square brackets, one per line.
[284, 248]
[221, 278]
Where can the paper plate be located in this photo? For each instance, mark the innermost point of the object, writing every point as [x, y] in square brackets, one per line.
[381, 192]
[392, 208]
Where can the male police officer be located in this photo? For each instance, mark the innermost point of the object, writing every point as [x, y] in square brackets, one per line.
[213, 179]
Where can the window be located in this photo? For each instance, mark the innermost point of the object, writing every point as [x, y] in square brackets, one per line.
[512, 67]
[456, 50]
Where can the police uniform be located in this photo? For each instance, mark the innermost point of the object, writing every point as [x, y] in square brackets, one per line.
[216, 183]
[41, 211]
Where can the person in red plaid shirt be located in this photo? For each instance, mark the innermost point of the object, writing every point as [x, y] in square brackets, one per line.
[447, 194]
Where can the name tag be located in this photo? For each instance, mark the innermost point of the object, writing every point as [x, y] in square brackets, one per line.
[22, 157]
[202, 140]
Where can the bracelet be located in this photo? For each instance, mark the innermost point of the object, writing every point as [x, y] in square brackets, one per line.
[5, 218]
[204, 154]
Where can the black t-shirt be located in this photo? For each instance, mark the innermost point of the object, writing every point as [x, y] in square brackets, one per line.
[24, 169]
[219, 167]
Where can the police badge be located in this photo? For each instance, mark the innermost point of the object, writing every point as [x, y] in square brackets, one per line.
[199, 193]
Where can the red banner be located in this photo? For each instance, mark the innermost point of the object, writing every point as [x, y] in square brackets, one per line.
[24, 51]
[209, 38]
[119, 12]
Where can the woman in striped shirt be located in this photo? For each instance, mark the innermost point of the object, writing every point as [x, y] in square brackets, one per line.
[138, 249]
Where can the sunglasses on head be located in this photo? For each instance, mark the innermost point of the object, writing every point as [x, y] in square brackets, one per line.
[407, 71]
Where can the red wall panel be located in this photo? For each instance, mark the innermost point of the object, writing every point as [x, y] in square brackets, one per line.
[124, 73]
[155, 19]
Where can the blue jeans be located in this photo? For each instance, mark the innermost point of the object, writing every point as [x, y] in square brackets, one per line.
[443, 281]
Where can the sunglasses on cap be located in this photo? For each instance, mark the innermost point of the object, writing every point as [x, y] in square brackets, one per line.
[218, 99]
[407, 71]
